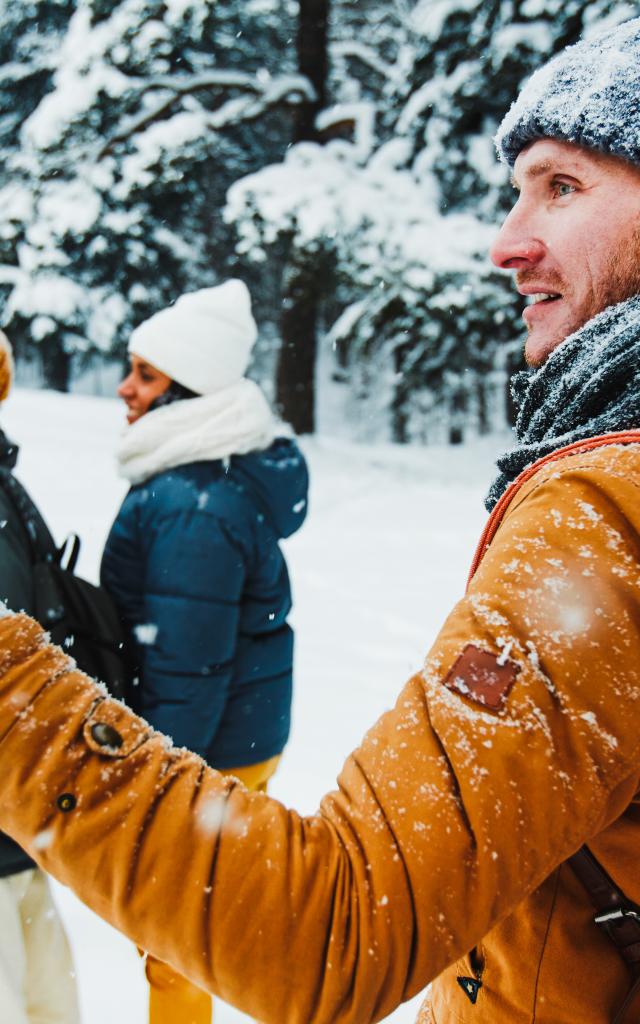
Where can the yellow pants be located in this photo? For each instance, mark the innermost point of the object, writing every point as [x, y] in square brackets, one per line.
[173, 999]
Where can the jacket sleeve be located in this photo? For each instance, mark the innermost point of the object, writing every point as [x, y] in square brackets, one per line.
[525, 717]
[194, 578]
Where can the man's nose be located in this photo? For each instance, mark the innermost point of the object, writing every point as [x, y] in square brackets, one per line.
[516, 246]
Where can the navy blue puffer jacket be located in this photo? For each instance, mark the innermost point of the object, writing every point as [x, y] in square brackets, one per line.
[194, 566]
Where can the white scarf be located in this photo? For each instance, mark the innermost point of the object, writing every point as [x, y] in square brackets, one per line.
[233, 421]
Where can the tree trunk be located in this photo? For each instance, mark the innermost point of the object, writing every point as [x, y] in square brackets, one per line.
[55, 363]
[295, 383]
[457, 413]
[295, 380]
[313, 30]
[480, 386]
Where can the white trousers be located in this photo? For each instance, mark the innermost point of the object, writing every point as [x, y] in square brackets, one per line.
[37, 983]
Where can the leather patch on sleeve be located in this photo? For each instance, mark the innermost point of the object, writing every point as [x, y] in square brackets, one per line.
[482, 677]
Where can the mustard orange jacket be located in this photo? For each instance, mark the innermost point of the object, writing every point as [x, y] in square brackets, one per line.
[448, 833]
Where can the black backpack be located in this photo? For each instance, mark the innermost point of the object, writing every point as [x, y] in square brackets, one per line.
[80, 617]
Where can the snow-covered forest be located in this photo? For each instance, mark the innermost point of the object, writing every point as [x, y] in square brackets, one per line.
[335, 154]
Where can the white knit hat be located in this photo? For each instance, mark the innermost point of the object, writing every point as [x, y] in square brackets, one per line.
[203, 341]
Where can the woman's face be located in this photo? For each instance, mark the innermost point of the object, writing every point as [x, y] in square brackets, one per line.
[142, 385]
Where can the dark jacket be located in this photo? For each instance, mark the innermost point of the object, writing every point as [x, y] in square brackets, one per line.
[194, 566]
[16, 590]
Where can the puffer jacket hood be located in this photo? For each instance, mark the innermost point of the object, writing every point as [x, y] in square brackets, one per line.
[278, 480]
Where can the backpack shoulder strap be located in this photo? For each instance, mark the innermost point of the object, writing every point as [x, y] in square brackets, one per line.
[616, 916]
[43, 547]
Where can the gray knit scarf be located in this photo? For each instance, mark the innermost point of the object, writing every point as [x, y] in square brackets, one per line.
[589, 385]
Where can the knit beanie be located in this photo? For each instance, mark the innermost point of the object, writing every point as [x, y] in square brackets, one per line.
[203, 341]
[6, 366]
[588, 94]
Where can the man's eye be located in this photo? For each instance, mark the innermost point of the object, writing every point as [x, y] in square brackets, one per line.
[563, 188]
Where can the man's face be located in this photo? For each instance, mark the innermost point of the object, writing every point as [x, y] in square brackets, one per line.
[572, 238]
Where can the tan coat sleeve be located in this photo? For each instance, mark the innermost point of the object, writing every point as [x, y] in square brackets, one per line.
[445, 817]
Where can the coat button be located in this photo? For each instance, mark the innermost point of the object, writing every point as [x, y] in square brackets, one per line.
[105, 735]
[66, 802]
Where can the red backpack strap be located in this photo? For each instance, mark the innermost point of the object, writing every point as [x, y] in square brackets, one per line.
[575, 448]
[616, 915]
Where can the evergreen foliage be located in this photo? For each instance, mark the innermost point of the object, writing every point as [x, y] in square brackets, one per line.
[119, 163]
[127, 125]
[404, 205]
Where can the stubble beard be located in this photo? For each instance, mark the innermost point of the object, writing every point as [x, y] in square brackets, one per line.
[623, 274]
[620, 281]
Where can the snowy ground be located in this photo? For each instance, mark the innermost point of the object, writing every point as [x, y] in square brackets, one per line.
[382, 558]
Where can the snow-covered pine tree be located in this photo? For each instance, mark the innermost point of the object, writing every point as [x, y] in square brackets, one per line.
[30, 34]
[152, 110]
[301, 286]
[470, 60]
[403, 206]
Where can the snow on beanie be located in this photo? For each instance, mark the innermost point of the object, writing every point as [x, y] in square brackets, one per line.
[203, 341]
[6, 366]
[588, 94]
